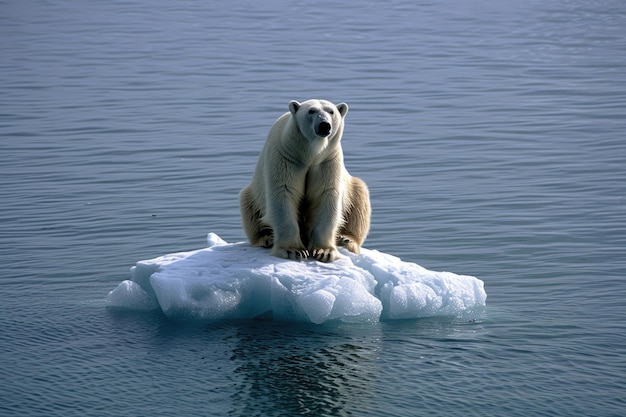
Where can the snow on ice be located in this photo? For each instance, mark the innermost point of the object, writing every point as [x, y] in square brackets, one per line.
[238, 281]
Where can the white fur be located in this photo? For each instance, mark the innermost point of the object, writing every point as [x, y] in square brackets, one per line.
[302, 201]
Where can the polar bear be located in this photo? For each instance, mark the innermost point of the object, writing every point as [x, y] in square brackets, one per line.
[302, 201]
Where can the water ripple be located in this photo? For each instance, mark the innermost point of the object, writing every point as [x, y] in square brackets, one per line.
[490, 136]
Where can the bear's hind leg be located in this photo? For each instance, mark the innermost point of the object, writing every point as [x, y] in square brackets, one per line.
[258, 233]
[356, 216]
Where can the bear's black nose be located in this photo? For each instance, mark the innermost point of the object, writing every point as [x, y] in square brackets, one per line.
[323, 129]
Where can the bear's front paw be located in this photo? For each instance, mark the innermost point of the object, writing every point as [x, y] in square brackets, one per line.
[325, 254]
[297, 254]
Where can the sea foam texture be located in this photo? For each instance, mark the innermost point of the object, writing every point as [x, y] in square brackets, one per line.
[238, 281]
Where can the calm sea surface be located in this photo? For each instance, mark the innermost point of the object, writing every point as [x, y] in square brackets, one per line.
[492, 136]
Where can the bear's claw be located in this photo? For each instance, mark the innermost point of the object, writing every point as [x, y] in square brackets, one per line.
[348, 243]
[325, 255]
[291, 253]
[298, 254]
[343, 241]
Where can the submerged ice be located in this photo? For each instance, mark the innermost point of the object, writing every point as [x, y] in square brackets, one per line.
[238, 281]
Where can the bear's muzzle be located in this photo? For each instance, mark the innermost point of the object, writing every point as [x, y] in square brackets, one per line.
[323, 129]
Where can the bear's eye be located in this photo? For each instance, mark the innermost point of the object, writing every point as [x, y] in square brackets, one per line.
[331, 111]
[311, 111]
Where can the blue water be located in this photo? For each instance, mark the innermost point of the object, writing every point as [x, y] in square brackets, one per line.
[491, 135]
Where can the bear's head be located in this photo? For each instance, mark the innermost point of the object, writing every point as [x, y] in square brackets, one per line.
[318, 118]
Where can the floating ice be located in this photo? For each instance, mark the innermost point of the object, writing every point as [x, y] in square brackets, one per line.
[238, 281]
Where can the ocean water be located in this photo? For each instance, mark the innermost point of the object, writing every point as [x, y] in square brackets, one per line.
[491, 135]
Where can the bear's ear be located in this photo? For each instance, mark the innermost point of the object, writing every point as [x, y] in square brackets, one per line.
[343, 109]
[293, 106]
